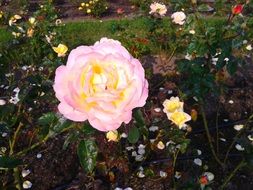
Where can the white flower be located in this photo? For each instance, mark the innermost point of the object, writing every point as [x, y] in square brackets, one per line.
[2, 102]
[178, 17]
[58, 22]
[238, 127]
[197, 161]
[158, 8]
[226, 59]
[14, 100]
[249, 47]
[32, 20]
[209, 175]
[188, 57]
[239, 147]
[27, 185]
[141, 174]
[192, 32]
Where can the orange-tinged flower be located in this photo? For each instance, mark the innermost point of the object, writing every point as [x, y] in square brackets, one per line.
[30, 32]
[237, 9]
[203, 180]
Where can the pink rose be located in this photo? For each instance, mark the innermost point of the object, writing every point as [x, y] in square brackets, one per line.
[102, 83]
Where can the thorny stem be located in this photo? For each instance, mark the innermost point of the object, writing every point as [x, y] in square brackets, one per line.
[238, 167]
[209, 136]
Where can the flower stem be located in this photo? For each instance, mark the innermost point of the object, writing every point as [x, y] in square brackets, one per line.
[238, 167]
[209, 137]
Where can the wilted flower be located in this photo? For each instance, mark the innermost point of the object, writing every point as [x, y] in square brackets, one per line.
[178, 17]
[158, 8]
[30, 32]
[120, 11]
[102, 83]
[112, 136]
[237, 9]
[61, 50]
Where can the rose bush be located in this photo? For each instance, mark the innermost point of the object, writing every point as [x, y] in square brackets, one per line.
[101, 83]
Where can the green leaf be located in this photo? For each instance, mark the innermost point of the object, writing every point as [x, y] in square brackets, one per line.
[61, 125]
[139, 117]
[87, 152]
[9, 162]
[134, 135]
[87, 129]
[47, 119]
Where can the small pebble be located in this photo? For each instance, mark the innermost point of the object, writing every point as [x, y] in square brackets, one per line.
[222, 139]
[158, 110]
[163, 174]
[239, 147]
[25, 173]
[197, 161]
[160, 145]
[231, 101]
[238, 127]
[4, 134]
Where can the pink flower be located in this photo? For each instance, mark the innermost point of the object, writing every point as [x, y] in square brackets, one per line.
[102, 83]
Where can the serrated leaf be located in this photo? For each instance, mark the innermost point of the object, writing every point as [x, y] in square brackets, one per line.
[134, 135]
[9, 162]
[87, 152]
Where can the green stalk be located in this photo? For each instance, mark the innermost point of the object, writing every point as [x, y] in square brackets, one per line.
[209, 137]
[238, 167]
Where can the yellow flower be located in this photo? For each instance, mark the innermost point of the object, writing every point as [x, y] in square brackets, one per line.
[80, 8]
[30, 32]
[32, 20]
[88, 11]
[179, 118]
[87, 4]
[172, 105]
[1, 14]
[82, 4]
[112, 136]
[61, 50]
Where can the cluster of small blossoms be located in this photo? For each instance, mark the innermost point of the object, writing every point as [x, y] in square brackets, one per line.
[175, 111]
[88, 7]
